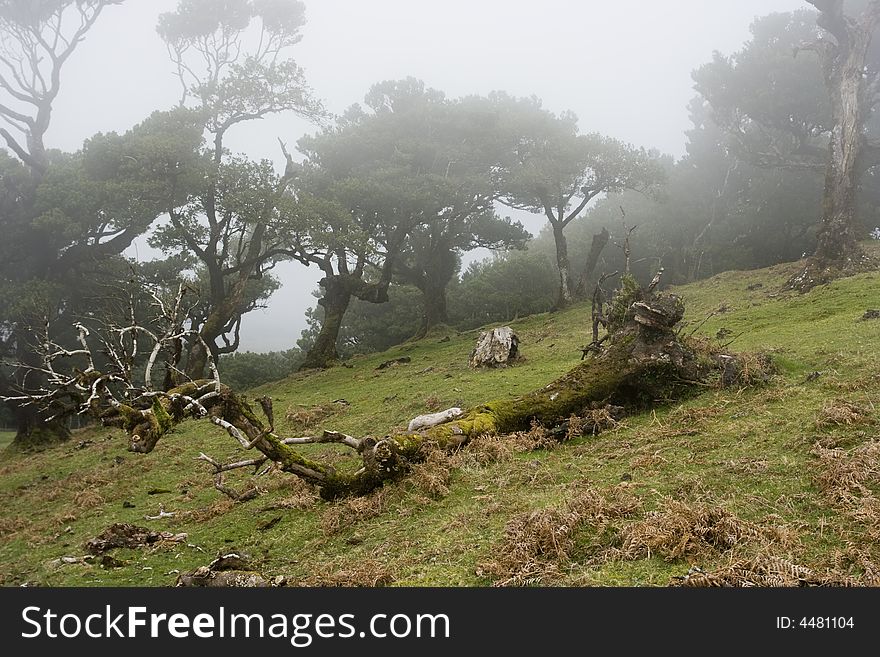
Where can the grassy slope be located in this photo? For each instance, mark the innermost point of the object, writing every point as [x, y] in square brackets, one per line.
[748, 452]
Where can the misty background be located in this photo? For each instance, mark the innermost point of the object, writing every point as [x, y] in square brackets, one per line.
[624, 68]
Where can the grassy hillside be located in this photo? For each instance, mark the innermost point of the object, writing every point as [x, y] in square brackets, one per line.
[774, 479]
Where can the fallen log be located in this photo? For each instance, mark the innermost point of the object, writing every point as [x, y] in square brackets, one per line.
[642, 363]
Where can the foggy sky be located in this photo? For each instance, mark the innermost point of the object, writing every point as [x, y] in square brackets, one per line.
[623, 67]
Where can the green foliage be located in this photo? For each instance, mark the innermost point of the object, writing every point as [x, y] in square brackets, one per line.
[771, 100]
[501, 289]
[504, 288]
[765, 97]
[244, 370]
[231, 79]
[370, 327]
[551, 167]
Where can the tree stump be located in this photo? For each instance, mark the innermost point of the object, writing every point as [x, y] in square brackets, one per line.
[495, 348]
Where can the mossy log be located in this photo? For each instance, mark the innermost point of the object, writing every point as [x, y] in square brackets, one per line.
[645, 364]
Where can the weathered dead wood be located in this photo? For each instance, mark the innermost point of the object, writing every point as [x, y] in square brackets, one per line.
[124, 535]
[433, 419]
[495, 348]
[600, 240]
[228, 570]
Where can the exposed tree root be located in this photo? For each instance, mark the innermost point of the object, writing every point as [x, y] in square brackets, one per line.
[818, 271]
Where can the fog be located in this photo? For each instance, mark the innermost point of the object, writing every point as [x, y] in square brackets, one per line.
[623, 67]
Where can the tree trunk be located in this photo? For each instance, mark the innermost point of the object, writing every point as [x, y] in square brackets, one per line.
[600, 239]
[434, 312]
[334, 302]
[645, 362]
[845, 65]
[226, 307]
[32, 430]
[564, 296]
[836, 237]
[197, 361]
[431, 275]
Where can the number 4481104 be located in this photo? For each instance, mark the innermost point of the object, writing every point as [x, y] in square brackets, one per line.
[815, 622]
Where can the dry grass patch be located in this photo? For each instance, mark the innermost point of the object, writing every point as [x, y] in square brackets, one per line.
[484, 450]
[846, 478]
[754, 369]
[432, 475]
[763, 571]
[350, 511]
[857, 564]
[679, 528]
[539, 545]
[88, 499]
[297, 494]
[746, 465]
[301, 416]
[217, 508]
[368, 572]
[650, 461]
[12, 525]
[842, 413]
[846, 473]
[538, 437]
[694, 416]
[594, 421]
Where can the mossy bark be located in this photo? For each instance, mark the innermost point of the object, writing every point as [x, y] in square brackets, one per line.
[645, 363]
[335, 303]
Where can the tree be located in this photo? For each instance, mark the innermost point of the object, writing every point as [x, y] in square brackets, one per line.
[717, 212]
[550, 168]
[245, 369]
[504, 288]
[36, 40]
[854, 90]
[431, 258]
[230, 223]
[796, 98]
[369, 327]
[352, 212]
[398, 188]
[458, 149]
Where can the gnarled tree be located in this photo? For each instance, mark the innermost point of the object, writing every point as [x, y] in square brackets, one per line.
[801, 98]
[230, 224]
[397, 188]
[854, 90]
[36, 41]
[644, 361]
[551, 169]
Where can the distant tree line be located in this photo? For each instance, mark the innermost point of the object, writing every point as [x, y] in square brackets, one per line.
[386, 199]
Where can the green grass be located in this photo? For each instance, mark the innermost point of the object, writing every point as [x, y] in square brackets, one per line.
[747, 451]
[6, 438]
